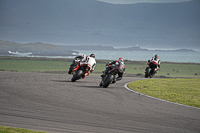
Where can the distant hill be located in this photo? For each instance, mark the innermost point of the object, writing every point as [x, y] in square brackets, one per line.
[43, 49]
[90, 22]
[37, 48]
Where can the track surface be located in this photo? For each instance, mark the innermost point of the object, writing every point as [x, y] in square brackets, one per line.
[52, 103]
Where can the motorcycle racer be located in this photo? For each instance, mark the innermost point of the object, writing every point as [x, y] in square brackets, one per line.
[117, 63]
[88, 62]
[156, 62]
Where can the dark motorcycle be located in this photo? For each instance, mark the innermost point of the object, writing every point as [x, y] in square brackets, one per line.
[110, 77]
[78, 74]
[150, 70]
[74, 64]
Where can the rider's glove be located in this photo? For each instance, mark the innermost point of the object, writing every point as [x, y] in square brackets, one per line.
[108, 63]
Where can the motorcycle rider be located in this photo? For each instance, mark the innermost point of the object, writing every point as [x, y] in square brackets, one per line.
[117, 63]
[156, 62]
[88, 62]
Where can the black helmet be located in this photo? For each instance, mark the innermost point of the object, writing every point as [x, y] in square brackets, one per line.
[92, 55]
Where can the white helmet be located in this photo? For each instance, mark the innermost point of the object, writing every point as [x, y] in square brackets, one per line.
[83, 57]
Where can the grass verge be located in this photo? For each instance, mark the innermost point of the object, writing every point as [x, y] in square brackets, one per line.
[61, 65]
[4, 129]
[178, 90]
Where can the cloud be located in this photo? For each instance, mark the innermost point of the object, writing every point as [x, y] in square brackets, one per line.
[141, 1]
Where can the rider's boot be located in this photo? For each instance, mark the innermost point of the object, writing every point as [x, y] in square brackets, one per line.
[114, 80]
[85, 75]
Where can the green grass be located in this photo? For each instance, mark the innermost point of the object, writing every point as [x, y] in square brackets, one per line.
[32, 65]
[167, 69]
[4, 129]
[133, 68]
[178, 90]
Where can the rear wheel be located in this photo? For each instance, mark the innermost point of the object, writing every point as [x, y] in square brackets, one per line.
[152, 74]
[72, 66]
[77, 75]
[108, 81]
[147, 72]
[100, 84]
[70, 71]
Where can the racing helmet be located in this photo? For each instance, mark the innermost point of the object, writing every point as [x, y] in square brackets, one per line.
[83, 57]
[120, 59]
[156, 57]
[92, 55]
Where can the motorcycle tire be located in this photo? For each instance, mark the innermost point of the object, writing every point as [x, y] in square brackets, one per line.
[77, 75]
[151, 76]
[72, 66]
[108, 81]
[147, 72]
[70, 71]
[100, 84]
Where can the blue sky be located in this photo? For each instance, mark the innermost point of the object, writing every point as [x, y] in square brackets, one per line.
[141, 1]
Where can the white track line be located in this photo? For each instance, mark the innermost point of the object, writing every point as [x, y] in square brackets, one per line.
[157, 98]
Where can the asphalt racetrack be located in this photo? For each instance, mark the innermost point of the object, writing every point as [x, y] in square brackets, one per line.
[52, 103]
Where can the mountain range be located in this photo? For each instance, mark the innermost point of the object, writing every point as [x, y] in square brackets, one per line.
[91, 22]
